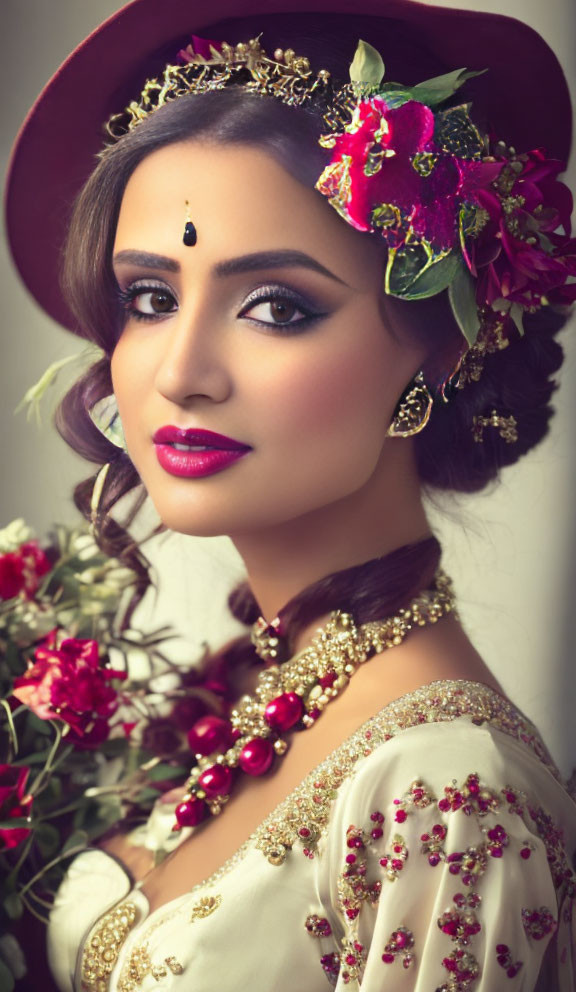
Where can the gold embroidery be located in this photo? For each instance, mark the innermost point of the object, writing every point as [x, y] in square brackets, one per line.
[205, 907]
[303, 816]
[103, 947]
[140, 964]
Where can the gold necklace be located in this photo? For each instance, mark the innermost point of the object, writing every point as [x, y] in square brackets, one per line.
[294, 694]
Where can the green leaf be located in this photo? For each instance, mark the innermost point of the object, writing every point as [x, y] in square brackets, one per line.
[434, 91]
[517, 315]
[114, 748]
[48, 839]
[161, 772]
[78, 839]
[433, 279]
[6, 978]
[367, 66]
[147, 796]
[14, 906]
[462, 296]
[40, 726]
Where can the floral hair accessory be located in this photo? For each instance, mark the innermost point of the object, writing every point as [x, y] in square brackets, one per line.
[454, 213]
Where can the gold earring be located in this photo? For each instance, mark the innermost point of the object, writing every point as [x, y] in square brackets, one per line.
[413, 411]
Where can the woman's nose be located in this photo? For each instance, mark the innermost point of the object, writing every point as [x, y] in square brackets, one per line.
[193, 361]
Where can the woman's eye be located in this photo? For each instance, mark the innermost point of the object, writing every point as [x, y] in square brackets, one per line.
[147, 303]
[274, 312]
[278, 310]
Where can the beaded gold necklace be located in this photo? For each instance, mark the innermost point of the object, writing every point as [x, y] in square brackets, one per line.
[292, 696]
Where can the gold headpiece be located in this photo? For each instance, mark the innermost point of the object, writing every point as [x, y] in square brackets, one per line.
[287, 76]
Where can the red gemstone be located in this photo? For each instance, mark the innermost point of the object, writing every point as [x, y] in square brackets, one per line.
[191, 812]
[209, 733]
[216, 781]
[284, 711]
[256, 756]
[328, 680]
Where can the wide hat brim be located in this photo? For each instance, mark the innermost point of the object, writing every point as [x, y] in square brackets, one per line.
[524, 96]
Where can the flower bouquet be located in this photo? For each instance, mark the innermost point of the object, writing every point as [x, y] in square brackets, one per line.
[93, 716]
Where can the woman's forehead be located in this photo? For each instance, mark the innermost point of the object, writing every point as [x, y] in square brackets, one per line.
[241, 201]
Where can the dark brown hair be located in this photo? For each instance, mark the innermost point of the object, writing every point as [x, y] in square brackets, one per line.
[515, 381]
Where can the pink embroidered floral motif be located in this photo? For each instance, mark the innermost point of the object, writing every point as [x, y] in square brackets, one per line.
[498, 841]
[471, 899]
[471, 798]
[331, 966]
[433, 844]
[516, 800]
[394, 861]
[352, 959]
[506, 961]
[318, 926]
[469, 864]
[463, 969]
[538, 923]
[459, 925]
[399, 944]
[377, 819]
[417, 797]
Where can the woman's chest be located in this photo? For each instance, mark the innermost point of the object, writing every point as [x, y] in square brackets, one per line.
[247, 928]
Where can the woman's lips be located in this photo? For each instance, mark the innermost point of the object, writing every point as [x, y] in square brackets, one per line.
[197, 436]
[209, 452]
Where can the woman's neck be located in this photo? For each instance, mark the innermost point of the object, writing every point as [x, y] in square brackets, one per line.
[383, 515]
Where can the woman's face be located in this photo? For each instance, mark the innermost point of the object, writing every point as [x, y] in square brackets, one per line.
[269, 330]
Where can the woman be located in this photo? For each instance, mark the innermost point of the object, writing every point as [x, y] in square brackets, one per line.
[227, 253]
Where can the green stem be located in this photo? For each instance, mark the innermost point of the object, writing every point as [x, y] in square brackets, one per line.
[48, 767]
[30, 908]
[24, 854]
[39, 899]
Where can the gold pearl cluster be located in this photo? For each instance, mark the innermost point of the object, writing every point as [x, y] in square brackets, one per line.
[104, 946]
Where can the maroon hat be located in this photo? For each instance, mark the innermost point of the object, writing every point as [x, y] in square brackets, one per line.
[523, 98]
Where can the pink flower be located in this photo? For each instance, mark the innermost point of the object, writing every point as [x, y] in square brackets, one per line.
[14, 804]
[21, 570]
[68, 683]
[386, 173]
[519, 256]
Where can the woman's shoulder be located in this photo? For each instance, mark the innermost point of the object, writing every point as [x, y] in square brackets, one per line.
[445, 739]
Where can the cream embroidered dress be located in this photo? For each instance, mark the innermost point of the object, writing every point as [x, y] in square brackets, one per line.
[433, 850]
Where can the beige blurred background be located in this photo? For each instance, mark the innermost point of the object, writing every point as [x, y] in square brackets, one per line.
[511, 551]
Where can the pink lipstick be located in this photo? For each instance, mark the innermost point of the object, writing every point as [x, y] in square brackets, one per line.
[193, 452]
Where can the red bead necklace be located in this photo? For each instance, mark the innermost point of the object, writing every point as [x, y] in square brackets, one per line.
[292, 696]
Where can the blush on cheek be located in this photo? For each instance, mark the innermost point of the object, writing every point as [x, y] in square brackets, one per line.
[347, 392]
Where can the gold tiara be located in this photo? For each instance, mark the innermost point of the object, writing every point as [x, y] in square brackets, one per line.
[286, 76]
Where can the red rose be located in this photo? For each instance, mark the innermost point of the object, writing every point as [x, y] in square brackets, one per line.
[68, 683]
[14, 803]
[21, 571]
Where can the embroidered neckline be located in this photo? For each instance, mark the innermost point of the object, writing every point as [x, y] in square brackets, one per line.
[301, 817]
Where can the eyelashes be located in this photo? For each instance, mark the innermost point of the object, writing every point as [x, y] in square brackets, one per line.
[151, 301]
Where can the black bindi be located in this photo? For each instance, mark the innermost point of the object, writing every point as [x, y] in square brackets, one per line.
[190, 235]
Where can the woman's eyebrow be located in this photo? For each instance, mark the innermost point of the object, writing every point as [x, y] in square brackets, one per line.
[285, 258]
[147, 260]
